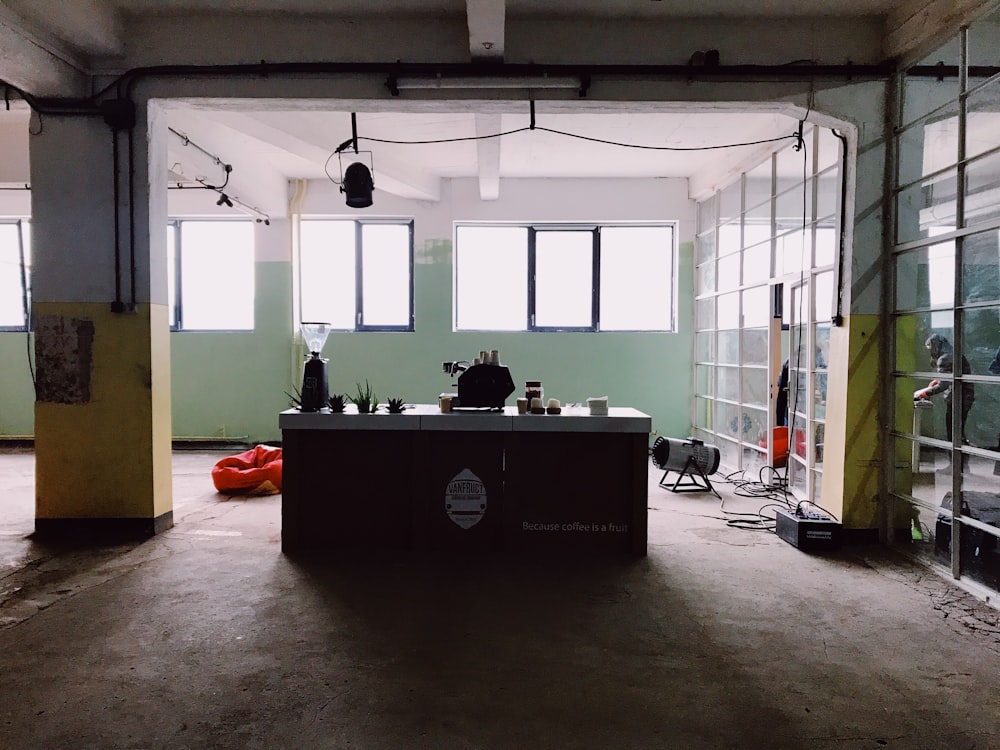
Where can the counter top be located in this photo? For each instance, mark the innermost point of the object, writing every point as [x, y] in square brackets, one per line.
[429, 417]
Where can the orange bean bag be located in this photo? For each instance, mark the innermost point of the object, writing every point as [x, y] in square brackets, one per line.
[254, 472]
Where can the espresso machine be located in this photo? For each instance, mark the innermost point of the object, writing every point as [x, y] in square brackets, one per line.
[315, 384]
[482, 384]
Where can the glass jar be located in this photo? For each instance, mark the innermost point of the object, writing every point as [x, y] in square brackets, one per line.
[533, 389]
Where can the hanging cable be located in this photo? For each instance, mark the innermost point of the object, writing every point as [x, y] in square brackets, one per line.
[25, 302]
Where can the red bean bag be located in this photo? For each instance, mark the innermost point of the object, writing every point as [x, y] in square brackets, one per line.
[254, 472]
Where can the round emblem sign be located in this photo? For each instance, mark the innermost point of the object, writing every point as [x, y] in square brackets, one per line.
[465, 499]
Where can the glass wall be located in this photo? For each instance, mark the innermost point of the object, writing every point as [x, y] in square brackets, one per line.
[945, 309]
[765, 255]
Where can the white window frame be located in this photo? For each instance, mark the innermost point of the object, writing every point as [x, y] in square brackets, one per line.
[360, 260]
[178, 322]
[23, 282]
[533, 231]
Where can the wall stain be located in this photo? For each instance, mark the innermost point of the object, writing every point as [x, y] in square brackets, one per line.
[64, 354]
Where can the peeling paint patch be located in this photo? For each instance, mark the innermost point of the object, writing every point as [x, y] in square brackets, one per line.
[64, 354]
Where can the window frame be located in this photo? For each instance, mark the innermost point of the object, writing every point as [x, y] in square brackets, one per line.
[26, 297]
[533, 230]
[359, 252]
[177, 326]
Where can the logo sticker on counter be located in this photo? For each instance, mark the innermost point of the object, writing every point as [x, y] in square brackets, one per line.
[465, 499]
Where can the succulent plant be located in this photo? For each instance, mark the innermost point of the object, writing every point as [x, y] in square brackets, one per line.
[396, 405]
[337, 403]
[365, 400]
[294, 398]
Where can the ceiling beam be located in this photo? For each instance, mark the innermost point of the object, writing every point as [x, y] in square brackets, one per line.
[488, 154]
[35, 66]
[486, 28]
[915, 28]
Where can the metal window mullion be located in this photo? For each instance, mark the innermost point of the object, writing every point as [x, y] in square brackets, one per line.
[413, 322]
[958, 356]
[178, 286]
[895, 92]
[359, 302]
[531, 278]
[595, 283]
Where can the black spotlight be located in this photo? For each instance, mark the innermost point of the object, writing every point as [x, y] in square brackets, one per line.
[224, 199]
[358, 185]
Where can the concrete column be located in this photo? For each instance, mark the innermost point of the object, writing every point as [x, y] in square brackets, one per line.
[851, 469]
[102, 410]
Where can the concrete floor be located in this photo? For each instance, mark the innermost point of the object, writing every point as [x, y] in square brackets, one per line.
[209, 637]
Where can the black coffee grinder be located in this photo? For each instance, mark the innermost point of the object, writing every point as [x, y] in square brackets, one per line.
[315, 386]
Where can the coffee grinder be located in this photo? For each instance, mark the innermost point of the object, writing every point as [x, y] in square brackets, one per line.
[315, 386]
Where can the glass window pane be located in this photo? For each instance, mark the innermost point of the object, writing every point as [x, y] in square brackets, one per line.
[729, 272]
[491, 278]
[757, 263]
[755, 386]
[705, 277]
[706, 214]
[756, 307]
[827, 194]
[704, 345]
[385, 275]
[758, 191]
[927, 208]
[981, 267]
[704, 380]
[706, 247]
[327, 272]
[729, 310]
[823, 286]
[924, 94]
[729, 347]
[636, 278]
[929, 146]
[729, 383]
[926, 277]
[217, 275]
[730, 199]
[826, 245]
[564, 279]
[729, 239]
[755, 346]
[704, 313]
[172, 274]
[11, 298]
[982, 126]
[912, 333]
[982, 179]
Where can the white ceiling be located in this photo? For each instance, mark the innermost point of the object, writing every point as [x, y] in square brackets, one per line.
[268, 144]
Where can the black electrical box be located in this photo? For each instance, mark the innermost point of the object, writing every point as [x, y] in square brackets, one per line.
[810, 531]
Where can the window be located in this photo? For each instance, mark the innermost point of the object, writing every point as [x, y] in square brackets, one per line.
[15, 286]
[564, 278]
[357, 275]
[211, 287]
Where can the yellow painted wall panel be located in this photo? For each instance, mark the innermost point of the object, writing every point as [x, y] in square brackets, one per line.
[852, 466]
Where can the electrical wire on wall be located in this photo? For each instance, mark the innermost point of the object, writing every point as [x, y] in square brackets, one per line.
[25, 301]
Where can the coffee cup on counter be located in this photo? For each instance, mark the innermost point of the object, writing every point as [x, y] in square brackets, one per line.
[445, 404]
[522, 406]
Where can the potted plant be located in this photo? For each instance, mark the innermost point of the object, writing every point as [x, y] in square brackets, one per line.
[337, 403]
[396, 405]
[294, 398]
[365, 400]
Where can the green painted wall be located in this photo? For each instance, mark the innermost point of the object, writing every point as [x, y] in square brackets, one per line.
[233, 384]
[17, 398]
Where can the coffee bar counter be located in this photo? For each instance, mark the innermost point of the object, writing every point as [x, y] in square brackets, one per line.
[465, 481]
